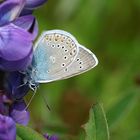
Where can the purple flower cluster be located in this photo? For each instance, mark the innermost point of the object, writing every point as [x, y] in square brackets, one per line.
[18, 30]
[53, 137]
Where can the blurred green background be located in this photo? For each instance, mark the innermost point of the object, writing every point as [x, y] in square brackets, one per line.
[111, 29]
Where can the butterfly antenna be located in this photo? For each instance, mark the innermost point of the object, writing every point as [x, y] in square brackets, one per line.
[30, 100]
[46, 103]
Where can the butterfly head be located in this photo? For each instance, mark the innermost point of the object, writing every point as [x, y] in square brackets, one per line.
[29, 79]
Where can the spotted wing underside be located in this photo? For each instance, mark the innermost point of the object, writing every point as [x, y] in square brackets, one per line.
[54, 52]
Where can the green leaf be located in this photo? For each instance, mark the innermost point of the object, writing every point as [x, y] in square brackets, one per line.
[96, 128]
[18, 138]
[135, 137]
[121, 109]
[26, 133]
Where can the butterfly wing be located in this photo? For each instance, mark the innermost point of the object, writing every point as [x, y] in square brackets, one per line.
[84, 61]
[58, 55]
[54, 51]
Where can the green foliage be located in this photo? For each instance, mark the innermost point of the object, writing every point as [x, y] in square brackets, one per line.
[121, 108]
[18, 138]
[26, 133]
[111, 29]
[97, 128]
[136, 136]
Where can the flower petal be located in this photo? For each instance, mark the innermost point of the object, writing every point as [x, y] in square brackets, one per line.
[9, 10]
[20, 117]
[28, 23]
[46, 136]
[2, 107]
[14, 85]
[30, 4]
[19, 65]
[14, 42]
[7, 128]
[26, 12]
[15, 48]
[19, 114]
[53, 137]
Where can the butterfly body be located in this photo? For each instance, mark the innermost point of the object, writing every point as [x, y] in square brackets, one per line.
[58, 55]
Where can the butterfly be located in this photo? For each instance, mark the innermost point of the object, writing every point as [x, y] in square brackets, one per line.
[57, 56]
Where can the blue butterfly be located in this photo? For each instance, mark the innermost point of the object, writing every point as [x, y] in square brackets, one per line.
[57, 56]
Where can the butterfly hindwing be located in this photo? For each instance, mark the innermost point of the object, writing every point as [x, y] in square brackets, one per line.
[84, 61]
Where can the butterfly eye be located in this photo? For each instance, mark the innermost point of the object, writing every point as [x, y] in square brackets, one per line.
[80, 62]
[66, 50]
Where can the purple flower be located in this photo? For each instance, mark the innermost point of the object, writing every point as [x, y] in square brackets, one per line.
[15, 48]
[17, 34]
[7, 128]
[10, 10]
[4, 102]
[14, 85]
[28, 23]
[26, 12]
[2, 106]
[31, 4]
[53, 137]
[46, 136]
[19, 114]
[16, 37]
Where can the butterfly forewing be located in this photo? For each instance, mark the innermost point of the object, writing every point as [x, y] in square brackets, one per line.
[54, 52]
